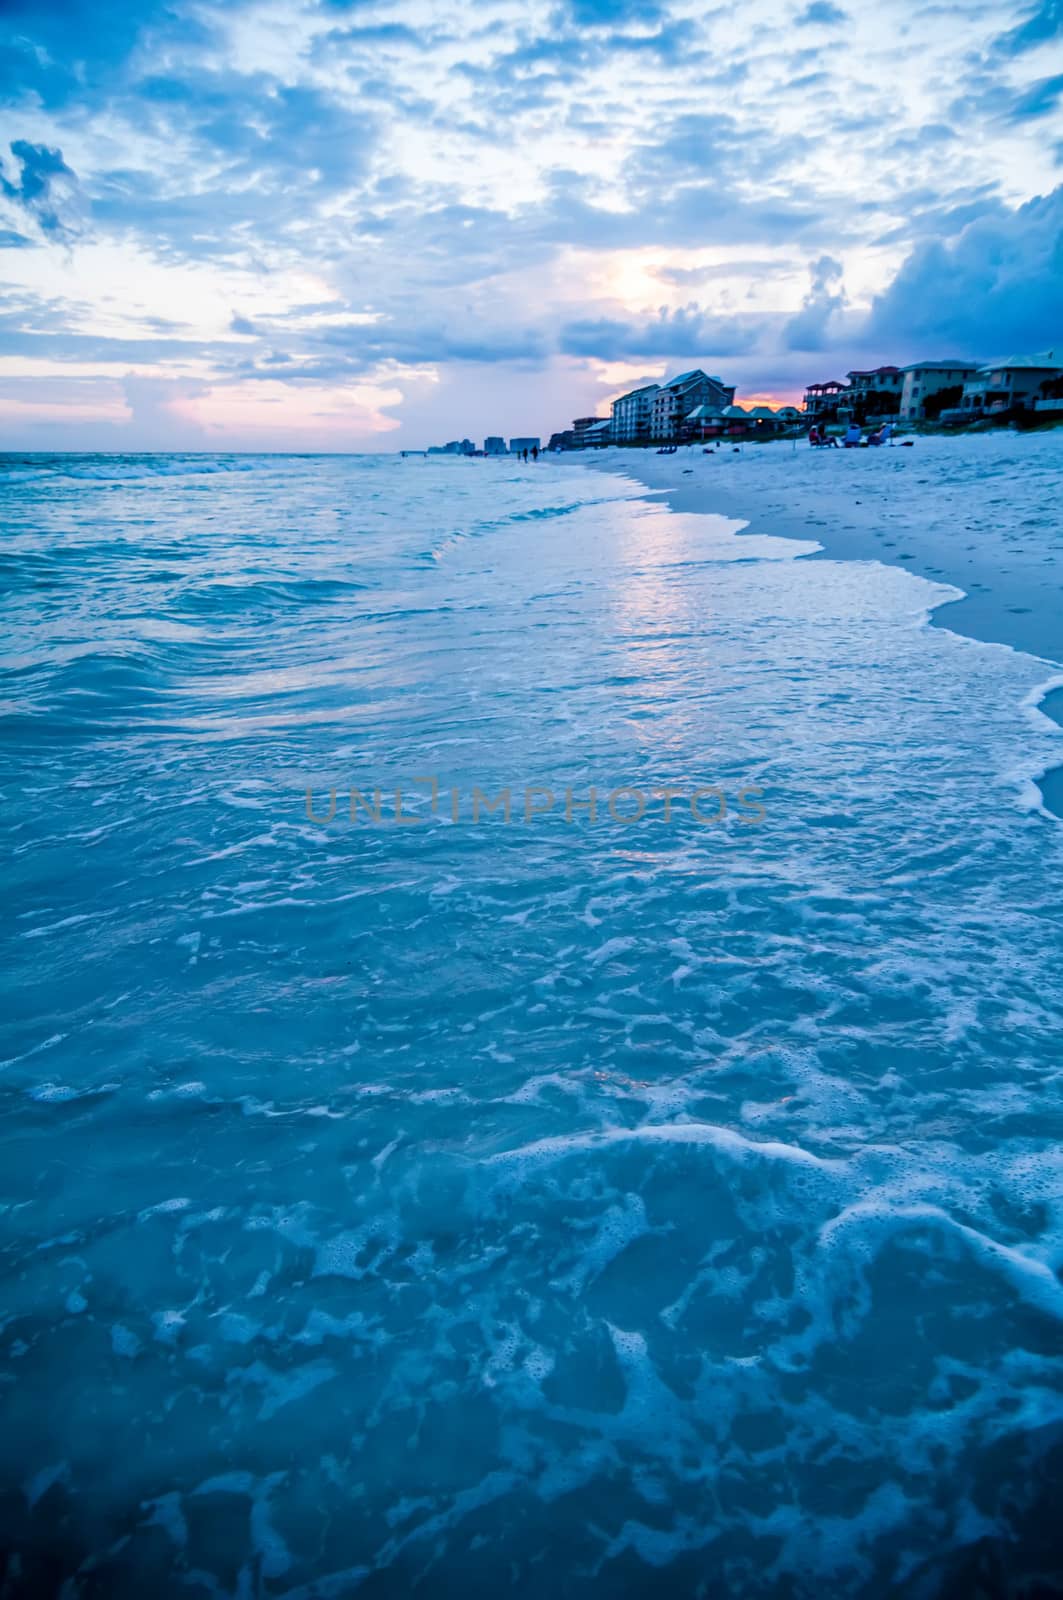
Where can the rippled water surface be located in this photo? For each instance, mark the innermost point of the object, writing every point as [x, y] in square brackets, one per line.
[468, 1208]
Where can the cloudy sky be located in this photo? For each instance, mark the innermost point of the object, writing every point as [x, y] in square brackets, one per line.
[366, 224]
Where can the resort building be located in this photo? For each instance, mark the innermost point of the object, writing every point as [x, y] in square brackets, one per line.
[1013, 385]
[585, 425]
[822, 400]
[494, 446]
[675, 400]
[516, 445]
[934, 381]
[632, 415]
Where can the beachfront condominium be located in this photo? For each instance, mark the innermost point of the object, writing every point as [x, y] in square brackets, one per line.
[517, 445]
[1017, 384]
[494, 445]
[633, 415]
[676, 399]
[930, 386]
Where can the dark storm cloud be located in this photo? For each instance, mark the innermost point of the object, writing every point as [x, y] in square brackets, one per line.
[1000, 281]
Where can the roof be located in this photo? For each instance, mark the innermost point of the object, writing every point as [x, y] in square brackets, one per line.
[1051, 360]
[647, 388]
[704, 414]
[762, 411]
[942, 366]
[871, 372]
[831, 383]
[735, 411]
[684, 378]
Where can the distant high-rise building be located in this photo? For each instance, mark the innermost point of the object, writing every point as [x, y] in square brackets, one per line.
[523, 444]
[494, 446]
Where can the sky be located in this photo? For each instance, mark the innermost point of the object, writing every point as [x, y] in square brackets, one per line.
[380, 224]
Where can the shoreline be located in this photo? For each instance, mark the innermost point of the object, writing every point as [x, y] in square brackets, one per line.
[969, 513]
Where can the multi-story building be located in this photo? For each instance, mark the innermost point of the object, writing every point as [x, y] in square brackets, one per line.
[925, 379]
[1013, 385]
[516, 445]
[876, 392]
[494, 446]
[633, 415]
[676, 399]
[823, 399]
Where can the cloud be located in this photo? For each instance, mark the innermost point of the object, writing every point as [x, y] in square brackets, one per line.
[44, 188]
[689, 331]
[808, 330]
[997, 288]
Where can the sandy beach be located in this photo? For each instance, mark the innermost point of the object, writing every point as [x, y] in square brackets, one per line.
[978, 511]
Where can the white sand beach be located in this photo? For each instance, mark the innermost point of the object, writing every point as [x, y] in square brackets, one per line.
[980, 512]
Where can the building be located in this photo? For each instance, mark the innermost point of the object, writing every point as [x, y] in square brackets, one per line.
[704, 422]
[925, 380]
[494, 446]
[582, 426]
[516, 445]
[1012, 385]
[823, 399]
[676, 399]
[875, 393]
[766, 422]
[632, 415]
[601, 434]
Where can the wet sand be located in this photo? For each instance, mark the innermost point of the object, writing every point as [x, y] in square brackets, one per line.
[982, 512]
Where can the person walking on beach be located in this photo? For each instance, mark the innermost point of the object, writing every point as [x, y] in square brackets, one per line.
[535, 452]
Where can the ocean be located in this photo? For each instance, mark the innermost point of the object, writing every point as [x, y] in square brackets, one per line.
[422, 1175]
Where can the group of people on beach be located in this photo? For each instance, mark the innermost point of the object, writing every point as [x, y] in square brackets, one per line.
[523, 454]
[852, 438]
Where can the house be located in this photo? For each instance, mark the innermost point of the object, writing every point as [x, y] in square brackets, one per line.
[494, 446]
[768, 422]
[704, 422]
[874, 393]
[517, 445]
[632, 415]
[822, 400]
[676, 399]
[932, 381]
[1012, 385]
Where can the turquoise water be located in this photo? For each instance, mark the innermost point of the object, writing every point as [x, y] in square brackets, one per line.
[542, 1207]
